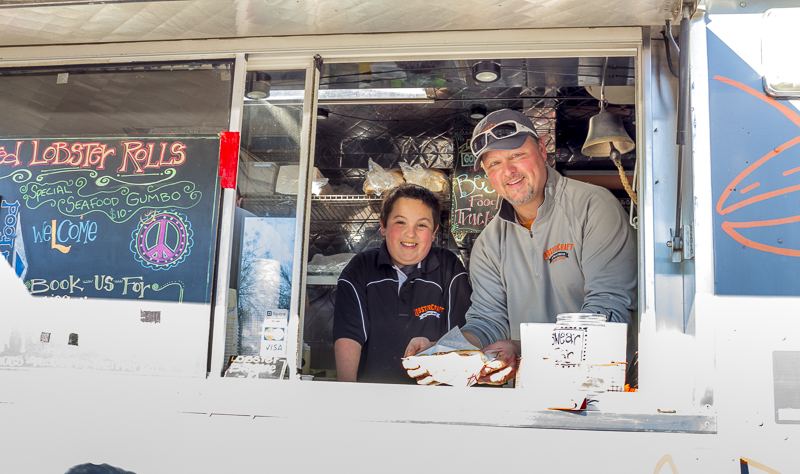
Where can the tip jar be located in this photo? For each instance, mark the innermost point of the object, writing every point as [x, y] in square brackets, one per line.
[580, 319]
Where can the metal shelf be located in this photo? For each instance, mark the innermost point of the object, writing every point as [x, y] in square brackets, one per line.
[352, 208]
[346, 198]
[326, 210]
[276, 205]
[345, 209]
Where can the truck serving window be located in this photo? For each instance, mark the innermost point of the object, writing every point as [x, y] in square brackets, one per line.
[379, 124]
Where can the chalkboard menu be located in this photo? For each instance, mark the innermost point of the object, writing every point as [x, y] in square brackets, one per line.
[475, 202]
[111, 217]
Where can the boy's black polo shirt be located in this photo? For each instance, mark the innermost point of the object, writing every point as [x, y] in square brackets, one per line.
[370, 311]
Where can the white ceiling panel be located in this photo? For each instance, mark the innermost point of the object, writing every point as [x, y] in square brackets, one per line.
[33, 23]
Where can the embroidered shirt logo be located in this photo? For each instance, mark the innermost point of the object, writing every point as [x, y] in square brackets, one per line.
[558, 252]
[430, 310]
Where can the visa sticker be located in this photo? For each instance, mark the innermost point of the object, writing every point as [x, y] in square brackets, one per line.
[273, 339]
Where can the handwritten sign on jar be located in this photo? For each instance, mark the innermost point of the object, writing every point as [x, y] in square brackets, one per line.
[571, 338]
[474, 202]
[569, 345]
[111, 217]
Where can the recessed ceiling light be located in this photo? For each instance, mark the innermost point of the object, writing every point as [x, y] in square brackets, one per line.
[486, 71]
[477, 112]
[258, 86]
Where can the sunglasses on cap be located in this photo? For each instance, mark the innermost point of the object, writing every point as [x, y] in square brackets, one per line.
[506, 129]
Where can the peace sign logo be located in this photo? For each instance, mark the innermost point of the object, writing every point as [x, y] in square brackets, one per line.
[163, 240]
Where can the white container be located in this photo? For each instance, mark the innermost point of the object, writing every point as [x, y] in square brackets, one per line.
[260, 179]
[289, 177]
[599, 353]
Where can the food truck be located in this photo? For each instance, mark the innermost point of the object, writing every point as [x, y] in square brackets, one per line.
[182, 182]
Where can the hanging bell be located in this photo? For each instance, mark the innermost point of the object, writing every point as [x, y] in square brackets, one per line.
[606, 128]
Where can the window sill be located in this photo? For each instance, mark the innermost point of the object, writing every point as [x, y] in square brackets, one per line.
[476, 406]
[336, 402]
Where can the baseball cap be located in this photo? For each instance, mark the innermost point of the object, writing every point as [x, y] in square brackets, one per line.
[508, 143]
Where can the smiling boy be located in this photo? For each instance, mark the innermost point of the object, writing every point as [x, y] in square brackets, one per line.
[404, 289]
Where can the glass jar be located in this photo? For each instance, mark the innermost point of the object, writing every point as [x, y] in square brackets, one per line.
[580, 319]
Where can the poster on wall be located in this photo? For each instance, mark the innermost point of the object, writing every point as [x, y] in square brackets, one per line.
[111, 217]
[265, 284]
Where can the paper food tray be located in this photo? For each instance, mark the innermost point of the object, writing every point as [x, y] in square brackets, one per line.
[452, 361]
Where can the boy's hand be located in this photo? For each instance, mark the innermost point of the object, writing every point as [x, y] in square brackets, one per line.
[417, 345]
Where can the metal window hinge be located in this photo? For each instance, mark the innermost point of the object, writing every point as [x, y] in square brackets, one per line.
[682, 244]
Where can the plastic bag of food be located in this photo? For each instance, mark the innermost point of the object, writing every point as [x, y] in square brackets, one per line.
[434, 180]
[289, 177]
[379, 180]
[329, 263]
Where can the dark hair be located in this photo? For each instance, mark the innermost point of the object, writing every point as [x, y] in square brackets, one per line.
[411, 191]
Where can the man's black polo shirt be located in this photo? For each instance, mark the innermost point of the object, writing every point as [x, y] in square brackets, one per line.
[371, 311]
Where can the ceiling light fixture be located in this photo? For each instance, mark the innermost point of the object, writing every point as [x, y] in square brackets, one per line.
[486, 71]
[477, 111]
[258, 85]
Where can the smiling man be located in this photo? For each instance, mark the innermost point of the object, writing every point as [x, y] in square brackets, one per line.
[404, 289]
[555, 246]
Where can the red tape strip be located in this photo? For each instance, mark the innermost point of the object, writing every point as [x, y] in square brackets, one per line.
[228, 159]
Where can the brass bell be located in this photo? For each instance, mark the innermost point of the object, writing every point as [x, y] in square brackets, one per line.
[606, 128]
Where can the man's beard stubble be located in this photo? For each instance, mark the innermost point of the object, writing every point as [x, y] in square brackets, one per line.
[525, 197]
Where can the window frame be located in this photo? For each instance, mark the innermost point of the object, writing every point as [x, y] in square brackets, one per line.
[508, 408]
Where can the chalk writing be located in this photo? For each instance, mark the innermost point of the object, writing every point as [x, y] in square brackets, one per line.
[137, 156]
[9, 222]
[140, 156]
[12, 159]
[12, 247]
[66, 231]
[474, 200]
[468, 185]
[86, 200]
[162, 241]
[71, 199]
[134, 286]
[53, 244]
[17, 176]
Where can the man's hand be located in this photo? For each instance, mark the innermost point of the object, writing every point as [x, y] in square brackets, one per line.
[415, 346]
[504, 367]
